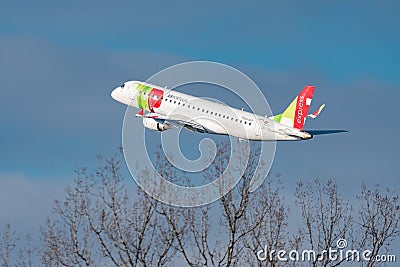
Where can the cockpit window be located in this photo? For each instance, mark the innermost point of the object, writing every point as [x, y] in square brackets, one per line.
[122, 86]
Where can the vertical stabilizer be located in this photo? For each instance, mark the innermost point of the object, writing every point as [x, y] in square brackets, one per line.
[296, 113]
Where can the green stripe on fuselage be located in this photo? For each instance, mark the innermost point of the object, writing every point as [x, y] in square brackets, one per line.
[142, 99]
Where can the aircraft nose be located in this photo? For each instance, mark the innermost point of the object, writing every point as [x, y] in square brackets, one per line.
[115, 93]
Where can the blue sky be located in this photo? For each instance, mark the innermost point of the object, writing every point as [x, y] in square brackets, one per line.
[60, 61]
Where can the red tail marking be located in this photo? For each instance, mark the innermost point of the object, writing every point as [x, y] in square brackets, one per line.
[302, 107]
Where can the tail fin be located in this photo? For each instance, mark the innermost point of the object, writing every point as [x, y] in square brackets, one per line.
[296, 113]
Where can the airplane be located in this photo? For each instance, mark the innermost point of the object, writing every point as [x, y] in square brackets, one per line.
[162, 108]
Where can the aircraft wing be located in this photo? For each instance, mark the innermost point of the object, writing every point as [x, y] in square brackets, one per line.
[178, 121]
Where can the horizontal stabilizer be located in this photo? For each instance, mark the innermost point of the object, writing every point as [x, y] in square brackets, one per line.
[320, 132]
[317, 112]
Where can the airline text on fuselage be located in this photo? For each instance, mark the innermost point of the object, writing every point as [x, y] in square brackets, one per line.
[178, 98]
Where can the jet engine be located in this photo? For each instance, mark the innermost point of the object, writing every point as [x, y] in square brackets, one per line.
[152, 124]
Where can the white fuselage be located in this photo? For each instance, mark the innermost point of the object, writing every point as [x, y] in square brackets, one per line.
[206, 116]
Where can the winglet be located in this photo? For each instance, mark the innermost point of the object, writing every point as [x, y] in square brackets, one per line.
[317, 112]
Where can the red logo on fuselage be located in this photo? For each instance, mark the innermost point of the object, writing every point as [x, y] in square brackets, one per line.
[155, 98]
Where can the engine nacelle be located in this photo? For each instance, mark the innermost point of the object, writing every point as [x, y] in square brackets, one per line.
[152, 124]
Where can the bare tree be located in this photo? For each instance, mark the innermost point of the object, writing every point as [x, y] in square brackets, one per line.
[100, 222]
[271, 235]
[66, 238]
[222, 233]
[379, 220]
[7, 245]
[326, 219]
[26, 254]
